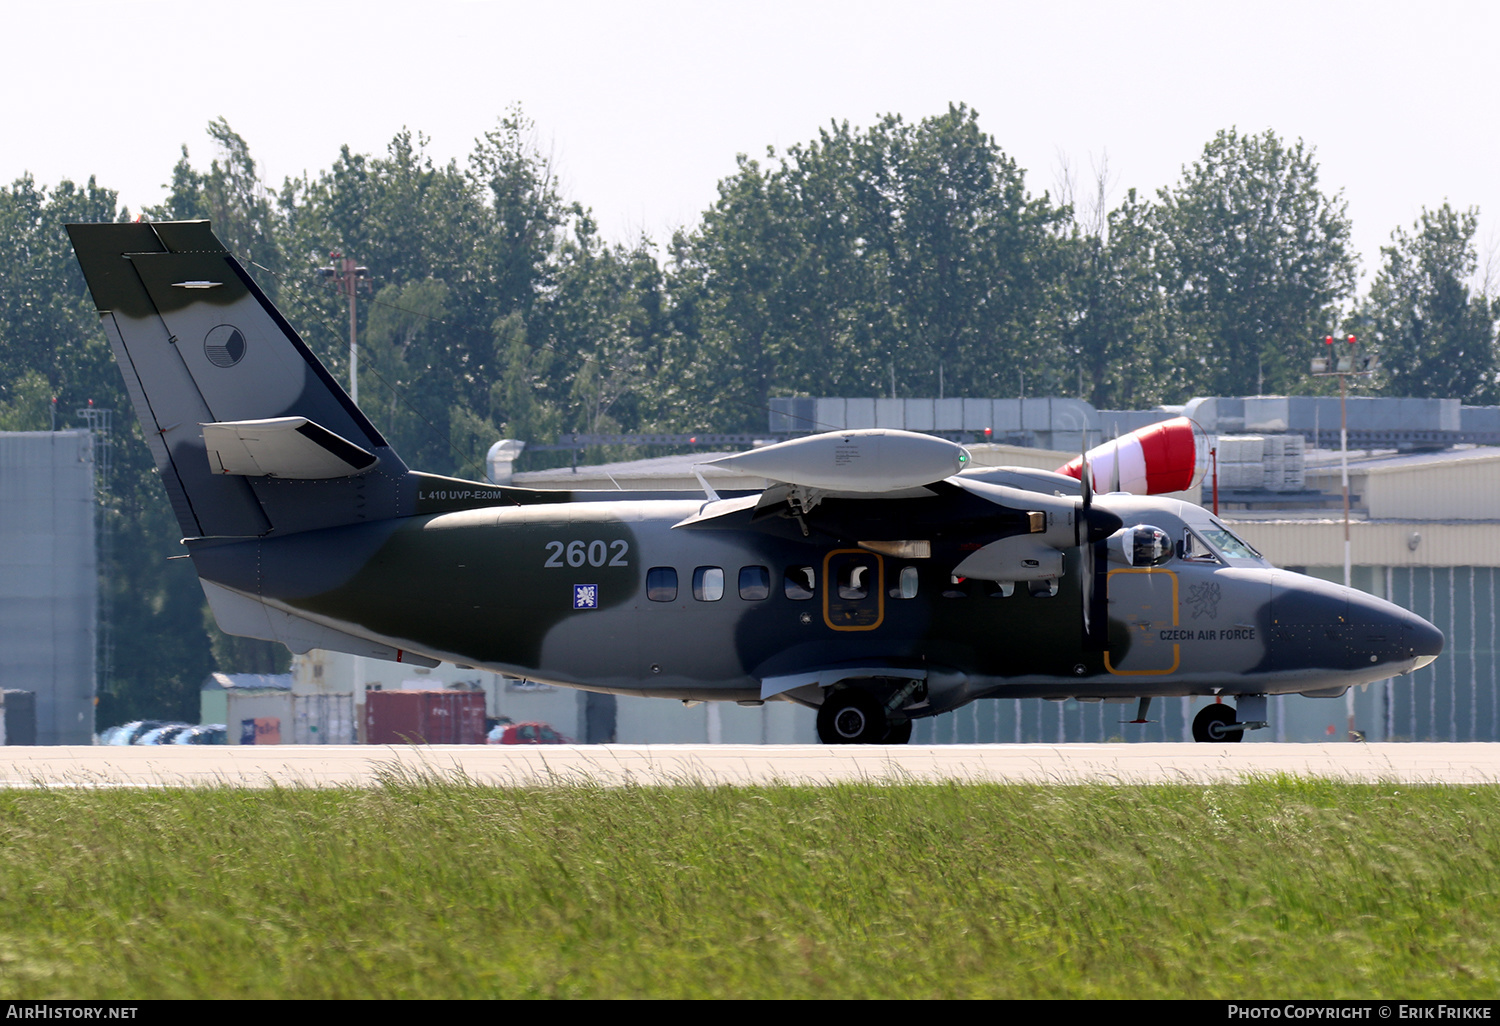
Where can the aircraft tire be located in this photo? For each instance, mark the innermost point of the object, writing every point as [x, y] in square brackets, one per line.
[851, 717]
[1210, 722]
[899, 735]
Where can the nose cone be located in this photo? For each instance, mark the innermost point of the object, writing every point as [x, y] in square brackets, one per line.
[1317, 624]
[1392, 635]
[1423, 640]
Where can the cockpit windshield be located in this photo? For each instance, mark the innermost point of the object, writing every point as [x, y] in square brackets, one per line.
[1227, 543]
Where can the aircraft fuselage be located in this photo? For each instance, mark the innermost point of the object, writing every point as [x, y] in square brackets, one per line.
[609, 595]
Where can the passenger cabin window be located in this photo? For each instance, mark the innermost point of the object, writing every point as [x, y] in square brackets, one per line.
[854, 581]
[800, 583]
[661, 584]
[906, 584]
[755, 583]
[708, 583]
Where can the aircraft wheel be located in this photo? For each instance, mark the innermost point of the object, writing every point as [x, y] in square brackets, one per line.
[851, 717]
[899, 735]
[1210, 722]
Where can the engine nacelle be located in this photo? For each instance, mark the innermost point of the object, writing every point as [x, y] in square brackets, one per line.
[871, 460]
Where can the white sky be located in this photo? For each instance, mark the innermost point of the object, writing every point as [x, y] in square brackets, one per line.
[643, 105]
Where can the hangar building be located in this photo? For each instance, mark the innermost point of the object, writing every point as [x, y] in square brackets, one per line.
[49, 578]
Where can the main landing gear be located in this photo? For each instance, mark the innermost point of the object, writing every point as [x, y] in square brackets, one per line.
[1220, 722]
[849, 716]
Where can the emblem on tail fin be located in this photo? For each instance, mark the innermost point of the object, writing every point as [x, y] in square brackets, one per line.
[224, 346]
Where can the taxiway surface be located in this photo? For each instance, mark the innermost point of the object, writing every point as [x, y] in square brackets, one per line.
[615, 765]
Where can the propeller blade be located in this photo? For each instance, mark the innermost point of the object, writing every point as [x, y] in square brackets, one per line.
[1098, 614]
[1092, 529]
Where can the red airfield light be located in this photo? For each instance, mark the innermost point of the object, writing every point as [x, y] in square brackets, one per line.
[988, 432]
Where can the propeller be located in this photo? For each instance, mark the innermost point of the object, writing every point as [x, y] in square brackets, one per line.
[1092, 529]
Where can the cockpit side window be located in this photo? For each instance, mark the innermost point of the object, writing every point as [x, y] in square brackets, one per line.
[1196, 550]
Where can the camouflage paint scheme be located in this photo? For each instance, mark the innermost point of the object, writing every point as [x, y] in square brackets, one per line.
[552, 585]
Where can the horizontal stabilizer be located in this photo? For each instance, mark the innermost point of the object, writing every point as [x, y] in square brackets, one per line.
[285, 447]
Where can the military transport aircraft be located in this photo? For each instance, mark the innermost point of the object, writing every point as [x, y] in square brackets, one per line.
[880, 579]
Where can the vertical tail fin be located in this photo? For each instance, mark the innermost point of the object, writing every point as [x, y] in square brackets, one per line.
[250, 433]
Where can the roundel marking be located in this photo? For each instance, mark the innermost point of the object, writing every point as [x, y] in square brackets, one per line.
[224, 346]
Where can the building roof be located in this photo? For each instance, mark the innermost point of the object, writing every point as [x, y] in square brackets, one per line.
[247, 682]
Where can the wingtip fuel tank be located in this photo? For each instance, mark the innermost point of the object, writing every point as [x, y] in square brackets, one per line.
[872, 460]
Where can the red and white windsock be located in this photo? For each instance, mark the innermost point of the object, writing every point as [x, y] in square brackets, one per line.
[1162, 457]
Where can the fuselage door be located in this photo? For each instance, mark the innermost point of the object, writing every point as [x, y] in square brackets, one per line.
[854, 590]
[1145, 601]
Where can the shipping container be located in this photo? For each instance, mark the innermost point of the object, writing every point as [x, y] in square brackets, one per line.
[424, 717]
[266, 712]
[323, 719]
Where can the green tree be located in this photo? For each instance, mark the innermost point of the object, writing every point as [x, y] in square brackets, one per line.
[48, 326]
[905, 251]
[1112, 311]
[1435, 334]
[1255, 261]
[457, 252]
[231, 195]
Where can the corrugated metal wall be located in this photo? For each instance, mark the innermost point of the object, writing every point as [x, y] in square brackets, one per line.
[49, 578]
[1453, 699]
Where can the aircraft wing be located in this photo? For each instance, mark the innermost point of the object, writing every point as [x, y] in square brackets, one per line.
[905, 495]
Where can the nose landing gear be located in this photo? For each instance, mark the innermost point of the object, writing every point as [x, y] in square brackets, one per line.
[1219, 722]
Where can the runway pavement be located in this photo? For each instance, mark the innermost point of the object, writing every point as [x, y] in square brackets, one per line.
[615, 765]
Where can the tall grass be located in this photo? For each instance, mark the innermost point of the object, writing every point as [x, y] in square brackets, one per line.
[434, 888]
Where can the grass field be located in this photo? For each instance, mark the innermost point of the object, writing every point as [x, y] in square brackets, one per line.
[424, 888]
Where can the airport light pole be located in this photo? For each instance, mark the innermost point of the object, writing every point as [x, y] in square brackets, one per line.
[1343, 365]
[349, 276]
